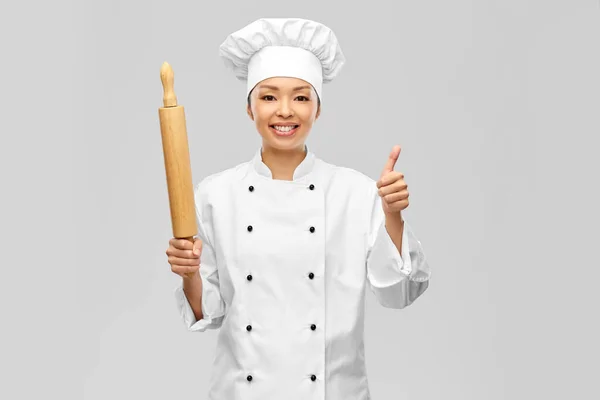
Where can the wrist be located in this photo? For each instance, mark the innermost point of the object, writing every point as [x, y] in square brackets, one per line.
[192, 276]
[395, 216]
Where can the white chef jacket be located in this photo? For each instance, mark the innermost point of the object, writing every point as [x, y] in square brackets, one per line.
[284, 267]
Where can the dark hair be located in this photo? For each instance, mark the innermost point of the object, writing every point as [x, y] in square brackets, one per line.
[318, 99]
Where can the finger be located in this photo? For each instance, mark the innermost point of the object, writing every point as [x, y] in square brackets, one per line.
[186, 254]
[397, 196]
[183, 244]
[398, 205]
[397, 186]
[389, 178]
[174, 260]
[391, 161]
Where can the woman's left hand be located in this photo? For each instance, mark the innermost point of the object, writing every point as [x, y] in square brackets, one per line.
[392, 188]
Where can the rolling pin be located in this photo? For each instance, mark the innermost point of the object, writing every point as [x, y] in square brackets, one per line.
[177, 160]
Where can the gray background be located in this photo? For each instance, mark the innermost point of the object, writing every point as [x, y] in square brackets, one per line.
[495, 105]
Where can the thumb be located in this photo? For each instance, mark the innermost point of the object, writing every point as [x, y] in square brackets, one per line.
[391, 161]
[197, 246]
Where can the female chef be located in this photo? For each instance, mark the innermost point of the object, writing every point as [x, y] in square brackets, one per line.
[288, 243]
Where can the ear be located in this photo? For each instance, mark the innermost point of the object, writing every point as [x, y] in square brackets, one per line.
[249, 112]
[318, 112]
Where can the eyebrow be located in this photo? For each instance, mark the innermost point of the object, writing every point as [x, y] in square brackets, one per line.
[276, 88]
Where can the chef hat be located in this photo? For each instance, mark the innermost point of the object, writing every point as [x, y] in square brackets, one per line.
[290, 47]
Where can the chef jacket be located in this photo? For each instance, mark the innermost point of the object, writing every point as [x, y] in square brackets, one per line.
[284, 267]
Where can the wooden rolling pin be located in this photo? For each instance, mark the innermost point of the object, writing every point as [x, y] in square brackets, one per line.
[177, 160]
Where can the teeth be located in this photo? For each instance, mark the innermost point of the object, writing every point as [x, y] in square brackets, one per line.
[284, 128]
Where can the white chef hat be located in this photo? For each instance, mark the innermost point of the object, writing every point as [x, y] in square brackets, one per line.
[289, 47]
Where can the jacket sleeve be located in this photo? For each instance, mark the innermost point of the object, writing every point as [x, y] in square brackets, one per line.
[213, 306]
[397, 280]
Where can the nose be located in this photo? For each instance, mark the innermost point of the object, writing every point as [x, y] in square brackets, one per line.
[284, 109]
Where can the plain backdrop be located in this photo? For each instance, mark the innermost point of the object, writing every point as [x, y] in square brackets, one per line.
[495, 105]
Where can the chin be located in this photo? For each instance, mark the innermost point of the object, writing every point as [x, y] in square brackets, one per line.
[290, 145]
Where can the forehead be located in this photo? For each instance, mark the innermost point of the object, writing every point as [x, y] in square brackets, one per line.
[282, 83]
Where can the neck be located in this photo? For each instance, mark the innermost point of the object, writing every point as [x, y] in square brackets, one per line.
[283, 163]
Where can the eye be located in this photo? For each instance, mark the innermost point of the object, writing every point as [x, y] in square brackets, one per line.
[304, 97]
[266, 97]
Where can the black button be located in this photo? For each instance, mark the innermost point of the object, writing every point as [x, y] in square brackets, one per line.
[249, 277]
[249, 228]
[251, 188]
[249, 328]
[312, 229]
[249, 378]
[311, 275]
[311, 187]
[313, 378]
[313, 327]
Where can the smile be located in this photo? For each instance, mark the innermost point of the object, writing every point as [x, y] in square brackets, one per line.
[284, 130]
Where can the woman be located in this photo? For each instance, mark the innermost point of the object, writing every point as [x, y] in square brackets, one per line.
[287, 243]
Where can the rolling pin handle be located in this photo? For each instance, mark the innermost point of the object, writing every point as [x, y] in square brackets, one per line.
[167, 78]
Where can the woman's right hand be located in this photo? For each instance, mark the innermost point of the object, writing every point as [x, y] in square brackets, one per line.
[184, 257]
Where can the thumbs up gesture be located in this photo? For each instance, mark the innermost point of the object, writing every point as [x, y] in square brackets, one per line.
[392, 188]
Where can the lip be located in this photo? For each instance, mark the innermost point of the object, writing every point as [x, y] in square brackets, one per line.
[284, 134]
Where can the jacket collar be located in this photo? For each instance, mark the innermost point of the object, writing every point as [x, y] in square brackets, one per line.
[302, 170]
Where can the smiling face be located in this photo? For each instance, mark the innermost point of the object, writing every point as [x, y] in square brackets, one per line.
[284, 110]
